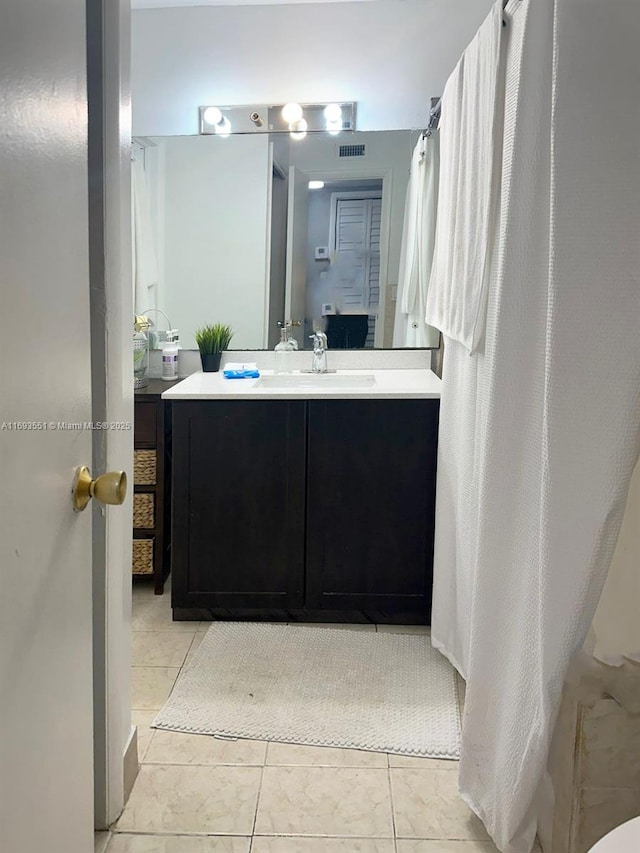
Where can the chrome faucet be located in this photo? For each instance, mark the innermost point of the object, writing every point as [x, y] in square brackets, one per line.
[320, 346]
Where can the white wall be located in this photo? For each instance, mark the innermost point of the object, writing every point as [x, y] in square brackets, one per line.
[389, 56]
[213, 248]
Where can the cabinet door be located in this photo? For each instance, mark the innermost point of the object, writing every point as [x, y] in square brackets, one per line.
[370, 505]
[238, 504]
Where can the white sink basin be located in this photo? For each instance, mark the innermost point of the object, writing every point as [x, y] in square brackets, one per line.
[316, 380]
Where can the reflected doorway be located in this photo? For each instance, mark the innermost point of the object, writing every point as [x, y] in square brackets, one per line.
[343, 261]
[336, 263]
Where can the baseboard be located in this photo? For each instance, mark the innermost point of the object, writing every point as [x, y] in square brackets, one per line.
[130, 763]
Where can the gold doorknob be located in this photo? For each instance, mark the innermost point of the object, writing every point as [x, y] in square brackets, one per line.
[108, 488]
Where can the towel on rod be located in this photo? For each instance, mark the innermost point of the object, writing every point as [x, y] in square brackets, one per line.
[418, 235]
[470, 160]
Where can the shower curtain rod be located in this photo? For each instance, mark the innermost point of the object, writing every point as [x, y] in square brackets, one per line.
[434, 117]
[505, 3]
[436, 103]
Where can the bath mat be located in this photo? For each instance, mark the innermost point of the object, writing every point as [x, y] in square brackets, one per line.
[318, 686]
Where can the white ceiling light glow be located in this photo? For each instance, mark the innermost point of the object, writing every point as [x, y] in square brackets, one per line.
[333, 112]
[212, 118]
[316, 185]
[223, 127]
[292, 113]
[299, 129]
[333, 118]
[212, 115]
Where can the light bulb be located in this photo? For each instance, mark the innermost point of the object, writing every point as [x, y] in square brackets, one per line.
[299, 129]
[333, 112]
[223, 127]
[212, 115]
[292, 113]
[316, 185]
[334, 127]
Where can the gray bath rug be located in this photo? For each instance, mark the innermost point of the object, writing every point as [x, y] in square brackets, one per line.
[319, 686]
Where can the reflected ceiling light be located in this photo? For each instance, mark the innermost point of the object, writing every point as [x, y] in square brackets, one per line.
[292, 113]
[299, 129]
[212, 115]
[316, 185]
[334, 127]
[223, 127]
[333, 113]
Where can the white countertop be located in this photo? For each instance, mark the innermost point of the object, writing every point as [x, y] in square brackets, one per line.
[388, 385]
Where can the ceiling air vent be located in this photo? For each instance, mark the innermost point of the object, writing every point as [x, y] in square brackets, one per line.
[351, 150]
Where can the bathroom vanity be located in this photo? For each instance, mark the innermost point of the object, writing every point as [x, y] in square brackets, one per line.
[304, 498]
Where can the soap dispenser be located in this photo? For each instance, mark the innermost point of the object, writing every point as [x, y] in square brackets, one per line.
[284, 350]
[289, 327]
[170, 356]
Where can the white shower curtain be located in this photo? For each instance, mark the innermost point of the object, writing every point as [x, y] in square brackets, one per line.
[418, 235]
[540, 430]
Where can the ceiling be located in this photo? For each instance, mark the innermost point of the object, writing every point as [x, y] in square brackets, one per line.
[165, 4]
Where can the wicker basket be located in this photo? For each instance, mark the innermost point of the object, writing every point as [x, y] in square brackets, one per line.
[144, 467]
[143, 510]
[142, 557]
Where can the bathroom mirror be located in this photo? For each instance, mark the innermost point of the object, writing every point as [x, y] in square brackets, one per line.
[252, 230]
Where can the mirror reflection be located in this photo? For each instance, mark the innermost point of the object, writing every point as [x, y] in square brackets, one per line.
[260, 230]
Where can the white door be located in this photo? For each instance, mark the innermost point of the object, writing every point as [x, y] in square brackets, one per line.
[297, 226]
[46, 722]
[354, 234]
[115, 758]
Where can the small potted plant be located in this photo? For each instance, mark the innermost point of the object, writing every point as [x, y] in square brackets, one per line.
[212, 341]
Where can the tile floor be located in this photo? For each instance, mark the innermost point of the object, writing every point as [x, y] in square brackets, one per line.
[197, 794]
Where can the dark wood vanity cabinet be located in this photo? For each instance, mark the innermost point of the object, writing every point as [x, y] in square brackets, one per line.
[304, 510]
[239, 504]
[371, 469]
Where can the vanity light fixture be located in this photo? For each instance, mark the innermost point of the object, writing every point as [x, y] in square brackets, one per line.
[223, 128]
[299, 129]
[292, 113]
[333, 112]
[212, 115]
[333, 117]
[216, 122]
[293, 118]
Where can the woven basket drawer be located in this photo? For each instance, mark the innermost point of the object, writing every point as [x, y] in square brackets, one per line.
[144, 467]
[143, 510]
[142, 557]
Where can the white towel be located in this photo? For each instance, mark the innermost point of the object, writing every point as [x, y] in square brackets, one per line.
[470, 158]
[418, 236]
[145, 263]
